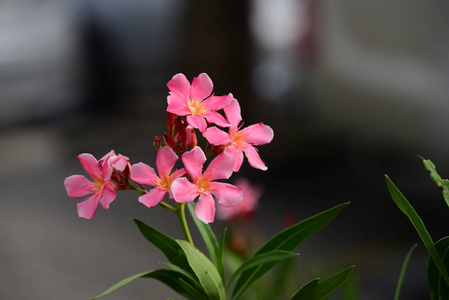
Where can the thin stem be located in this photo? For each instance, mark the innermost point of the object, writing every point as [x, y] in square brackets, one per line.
[169, 207]
[180, 212]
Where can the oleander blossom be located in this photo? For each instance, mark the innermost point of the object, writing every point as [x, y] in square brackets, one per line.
[102, 188]
[246, 208]
[144, 174]
[203, 184]
[196, 101]
[239, 141]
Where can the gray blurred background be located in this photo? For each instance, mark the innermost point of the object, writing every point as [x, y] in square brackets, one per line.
[353, 90]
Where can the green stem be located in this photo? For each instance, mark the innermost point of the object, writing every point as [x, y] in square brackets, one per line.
[168, 206]
[180, 212]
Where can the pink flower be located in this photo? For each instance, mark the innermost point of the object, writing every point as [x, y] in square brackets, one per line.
[117, 162]
[249, 204]
[203, 184]
[144, 174]
[240, 141]
[195, 101]
[78, 186]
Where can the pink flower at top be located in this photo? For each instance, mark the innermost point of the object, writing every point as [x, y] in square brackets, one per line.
[144, 174]
[249, 204]
[195, 101]
[78, 186]
[240, 141]
[203, 184]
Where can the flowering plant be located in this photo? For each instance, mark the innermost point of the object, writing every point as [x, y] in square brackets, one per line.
[193, 109]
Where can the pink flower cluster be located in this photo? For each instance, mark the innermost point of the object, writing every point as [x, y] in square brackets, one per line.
[190, 107]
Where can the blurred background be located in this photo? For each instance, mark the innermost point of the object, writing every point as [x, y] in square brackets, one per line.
[353, 90]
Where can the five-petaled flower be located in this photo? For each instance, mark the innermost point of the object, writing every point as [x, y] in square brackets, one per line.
[78, 186]
[203, 184]
[196, 102]
[239, 141]
[144, 174]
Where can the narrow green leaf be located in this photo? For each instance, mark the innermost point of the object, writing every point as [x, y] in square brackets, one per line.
[205, 270]
[320, 289]
[168, 277]
[187, 274]
[403, 271]
[220, 253]
[282, 279]
[271, 256]
[166, 244]
[414, 218]
[286, 240]
[443, 183]
[192, 291]
[439, 290]
[305, 288]
[207, 234]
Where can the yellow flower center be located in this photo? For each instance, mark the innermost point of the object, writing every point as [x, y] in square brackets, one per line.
[197, 108]
[203, 185]
[238, 139]
[165, 182]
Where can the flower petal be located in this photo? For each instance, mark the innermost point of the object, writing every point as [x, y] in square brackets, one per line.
[179, 85]
[153, 197]
[201, 87]
[216, 136]
[216, 118]
[193, 161]
[254, 158]
[108, 195]
[183, 190]
[177, 105]
[205, 208]
[226, 194]
[78, 186]
[165, 160]
[90, 164]
[220, 168]
[233, 113]
[197, 122]
[258, 134]
[238, 156]
[144, 174]
[119, 162]
[215, 103]
[87, 208]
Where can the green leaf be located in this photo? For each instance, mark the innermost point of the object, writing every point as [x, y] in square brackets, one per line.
[169, 277]
[320, 289]
[410, 212]
[439, 290]
[192, 291]
[282, 280]
[403, 270]
[220, 253]
[166, 244]
[271, 256]
[205, 270]
[305, 288]
[286, 240]
[443, 183]
[206, 232]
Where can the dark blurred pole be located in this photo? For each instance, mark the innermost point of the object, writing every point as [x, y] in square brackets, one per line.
[219, 45]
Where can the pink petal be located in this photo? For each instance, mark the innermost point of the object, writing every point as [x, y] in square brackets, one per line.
[179, 85]
[90, 164]
[119, 162]
[193, 161]
[78, 186]
[87, 208]
[153, 197]
[108, 195]
[258, 134]
[183, 190]
[233, 113]
[216, 118]
[205, 208]
[177, 105]
[201, 87]
[144, 174]
[197, 122]
[178, 173]
[220, 168]
[216, 136]
[238, 156]
[226, 194]
[254, 158]
[165, 160]
[215, 103]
